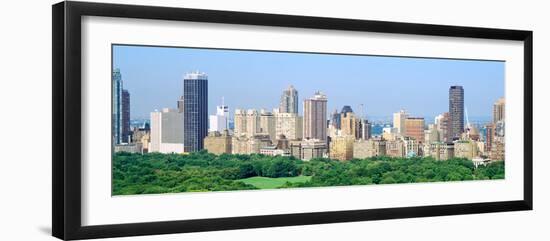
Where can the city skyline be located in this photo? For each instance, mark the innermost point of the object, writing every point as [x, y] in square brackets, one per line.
[148, 81]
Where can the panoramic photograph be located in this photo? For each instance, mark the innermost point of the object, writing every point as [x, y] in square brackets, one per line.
[203, 120]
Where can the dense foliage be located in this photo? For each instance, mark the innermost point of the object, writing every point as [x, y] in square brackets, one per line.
[202, 171]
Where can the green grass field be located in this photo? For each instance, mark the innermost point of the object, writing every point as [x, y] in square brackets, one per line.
[270, 183]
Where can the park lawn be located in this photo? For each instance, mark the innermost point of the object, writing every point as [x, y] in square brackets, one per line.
[270, 183]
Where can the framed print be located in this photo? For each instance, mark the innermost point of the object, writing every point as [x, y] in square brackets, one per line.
[170, 120]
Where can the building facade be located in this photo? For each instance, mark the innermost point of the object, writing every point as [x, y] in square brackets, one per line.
[308, 149]
[498, 110]
[126, 131]
[249, 145]
[218, 142]
[167, 131]
[290, 125]
[219, 121]
[399, 121]
[289, 101]
[315, 117]
[456, 111]
[195, 110]
[341, 148]
[369, 148]
[414, 128]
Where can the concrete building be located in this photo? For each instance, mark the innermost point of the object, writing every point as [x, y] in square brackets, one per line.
[497, 150]
[365, 129]
[167, 135]
[441, 151]
[308, 149]
[432, 134]
[412, 147]
[399, 121]
[465, 149]
[456, 111]
[290, 125]
[195, 110]
[129, 147]
[443, 125]
[315, 117]
[219, 121]
[369, 148]
[252, 122]
[240, 122]
[289, 101]
[341, 148]
[268, 124]
[414, 128]
[395, 148]
[498, 110]
[142, 135]
[350, 125]
[273, 151]
[249, 145]
[218, 143]
[390, 134]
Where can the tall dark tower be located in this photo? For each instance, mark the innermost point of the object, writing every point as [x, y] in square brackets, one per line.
[125, 116]
[456, 111]
[195, 111]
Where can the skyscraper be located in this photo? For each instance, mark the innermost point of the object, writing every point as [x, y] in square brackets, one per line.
[335, 119]
[498, 110]
[125, 136]
[399, 121]
[268, 124]
[219, 121]
[443, 125]
[456, 111]
[414, 127]
[289, 101]
[240, 122]
[116, 109]
[195, 110]
[315, 117]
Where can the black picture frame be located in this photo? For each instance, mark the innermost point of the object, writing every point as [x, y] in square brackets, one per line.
[66, 75]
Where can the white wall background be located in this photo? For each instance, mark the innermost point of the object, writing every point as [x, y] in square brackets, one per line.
[25, 101]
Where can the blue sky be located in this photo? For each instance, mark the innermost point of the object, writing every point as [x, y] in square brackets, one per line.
[255, 79]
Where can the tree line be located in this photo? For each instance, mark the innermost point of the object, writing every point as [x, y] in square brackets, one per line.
[203, 171]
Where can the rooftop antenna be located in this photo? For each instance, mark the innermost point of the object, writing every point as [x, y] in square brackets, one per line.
[223, 101]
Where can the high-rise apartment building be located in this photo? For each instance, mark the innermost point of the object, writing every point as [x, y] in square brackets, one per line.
[399, 121]
[252, 122]
[443, 126]
[456, 111]
[195, 110]
[290, 125]
[239, 122]
[498, 110]
[414, 128]
[289, 101]
[315, 117]
[268, 124]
